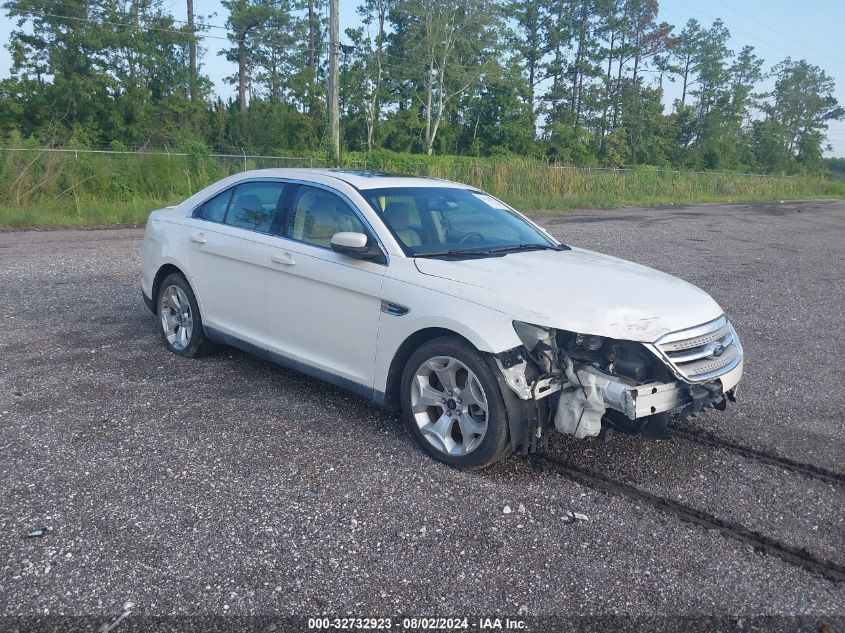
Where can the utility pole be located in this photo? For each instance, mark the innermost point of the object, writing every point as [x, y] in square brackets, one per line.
[334, 78]
[192, 51]
[312, 59]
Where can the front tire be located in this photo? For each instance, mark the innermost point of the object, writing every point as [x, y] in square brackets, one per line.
[180, 323]
[453, 406]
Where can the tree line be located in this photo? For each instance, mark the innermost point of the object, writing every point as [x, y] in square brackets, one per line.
[573, 81]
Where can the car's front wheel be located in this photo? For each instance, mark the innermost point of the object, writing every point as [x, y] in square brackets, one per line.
[453, 406]
[179, 318]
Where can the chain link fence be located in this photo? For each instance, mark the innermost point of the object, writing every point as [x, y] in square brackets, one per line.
[141, 178]
[47, 176]
[233, 162]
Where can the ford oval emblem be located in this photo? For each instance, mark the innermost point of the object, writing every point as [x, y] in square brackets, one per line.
[718, 350]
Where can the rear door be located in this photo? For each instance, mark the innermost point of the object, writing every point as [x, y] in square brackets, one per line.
[323, 308]
[229, 253]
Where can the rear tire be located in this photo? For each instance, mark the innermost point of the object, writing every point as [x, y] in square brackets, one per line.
[180, 323]
[453, 405]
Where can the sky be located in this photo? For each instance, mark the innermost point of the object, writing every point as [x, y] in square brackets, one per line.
[808, 29]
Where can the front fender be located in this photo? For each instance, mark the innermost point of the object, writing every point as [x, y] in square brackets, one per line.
[488, 330]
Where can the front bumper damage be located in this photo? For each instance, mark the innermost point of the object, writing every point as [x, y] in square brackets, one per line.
[589, 393]
[636, 401]
[585, 398]
[639, 401]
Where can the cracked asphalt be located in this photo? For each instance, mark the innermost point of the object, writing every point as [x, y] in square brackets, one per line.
[227, 486]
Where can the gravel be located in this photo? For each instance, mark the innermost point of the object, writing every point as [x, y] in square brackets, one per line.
[228, 486]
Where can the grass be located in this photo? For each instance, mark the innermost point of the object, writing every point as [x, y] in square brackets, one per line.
[93, 214]
[44, 189]
[542, 188]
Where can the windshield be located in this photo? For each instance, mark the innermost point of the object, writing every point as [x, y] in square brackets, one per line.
[445, 221]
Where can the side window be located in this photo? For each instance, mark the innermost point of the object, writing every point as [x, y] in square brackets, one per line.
[214, 210]
[254, 205]
[316, 215]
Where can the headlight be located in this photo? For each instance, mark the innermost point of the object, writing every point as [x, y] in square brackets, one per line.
[530, 334]
[589, 341]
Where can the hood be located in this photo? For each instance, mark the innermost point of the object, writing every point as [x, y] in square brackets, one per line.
[580, 291]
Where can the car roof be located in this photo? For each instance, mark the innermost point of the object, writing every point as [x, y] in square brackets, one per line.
[359, 179]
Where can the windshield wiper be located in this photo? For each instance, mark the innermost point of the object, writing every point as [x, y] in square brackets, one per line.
[493, 251]
[510, 248]
[458, 252]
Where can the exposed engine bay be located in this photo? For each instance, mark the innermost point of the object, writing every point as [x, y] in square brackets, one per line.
[587, 385]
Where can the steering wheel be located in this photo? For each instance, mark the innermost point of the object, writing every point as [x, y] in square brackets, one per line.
[466, 237]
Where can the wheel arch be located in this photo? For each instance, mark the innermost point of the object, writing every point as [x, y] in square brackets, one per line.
[518, 411]
[403, 353]
[161, 274]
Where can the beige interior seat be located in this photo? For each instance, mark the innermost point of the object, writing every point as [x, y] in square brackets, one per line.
[320, 221]
[347, 220]
[398, 216]
[248, 212]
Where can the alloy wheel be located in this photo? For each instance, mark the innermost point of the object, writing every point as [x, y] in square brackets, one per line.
[176, 317]
[449, 405]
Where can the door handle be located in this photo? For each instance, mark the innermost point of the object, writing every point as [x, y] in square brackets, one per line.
[199, 238]
[283, 258]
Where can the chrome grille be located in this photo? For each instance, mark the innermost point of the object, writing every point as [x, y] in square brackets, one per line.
[701, 353]
[697, 341]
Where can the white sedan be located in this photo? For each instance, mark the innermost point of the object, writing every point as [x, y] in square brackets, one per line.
[436, 298]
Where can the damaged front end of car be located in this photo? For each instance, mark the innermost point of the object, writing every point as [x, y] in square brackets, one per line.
[584, 384]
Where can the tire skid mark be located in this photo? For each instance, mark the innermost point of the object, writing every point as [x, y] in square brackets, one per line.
[810, 470]
[796, 556]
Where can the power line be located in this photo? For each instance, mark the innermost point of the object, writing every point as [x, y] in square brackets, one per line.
[123, 24]
[776, 32]
[746, 33]
[140, 27]
[200, 25]
[197, 25]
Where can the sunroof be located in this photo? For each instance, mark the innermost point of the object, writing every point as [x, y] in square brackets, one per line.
[363, 174]
[378, 174]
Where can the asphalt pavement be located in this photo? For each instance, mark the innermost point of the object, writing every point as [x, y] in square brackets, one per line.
[228, 486]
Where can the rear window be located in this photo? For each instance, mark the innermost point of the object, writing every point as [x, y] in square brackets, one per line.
[254, 205]
[214, 210]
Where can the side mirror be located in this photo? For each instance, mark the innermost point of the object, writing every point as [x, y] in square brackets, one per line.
[349, 243]
[356, 245]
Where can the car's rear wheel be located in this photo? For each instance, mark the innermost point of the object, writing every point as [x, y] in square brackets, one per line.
[179, 318]
[453, 406]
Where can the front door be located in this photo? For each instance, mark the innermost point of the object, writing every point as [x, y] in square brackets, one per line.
[323, 308]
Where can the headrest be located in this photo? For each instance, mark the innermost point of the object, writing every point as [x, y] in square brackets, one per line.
[320, 221]
[347, 220]
[397, 215]
[249, 202]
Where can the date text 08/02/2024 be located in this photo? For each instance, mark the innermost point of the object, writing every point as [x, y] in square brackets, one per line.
[416, 624]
